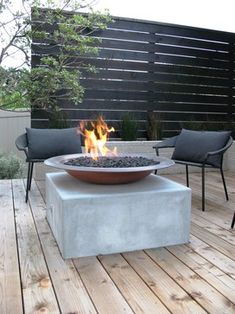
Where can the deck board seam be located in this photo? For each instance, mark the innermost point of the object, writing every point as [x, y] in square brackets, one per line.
[87, 290]
[214, 241]
[147, 284]
[201, 275]
[211, 244]
[193, 298]
[188, 245]
[115, 284]
[42, 250]
[17, 247]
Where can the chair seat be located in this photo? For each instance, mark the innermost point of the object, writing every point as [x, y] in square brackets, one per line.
[204, 149]
[40, 144]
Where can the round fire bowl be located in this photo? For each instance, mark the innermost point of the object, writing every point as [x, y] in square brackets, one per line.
[100, 175]
[108, 177]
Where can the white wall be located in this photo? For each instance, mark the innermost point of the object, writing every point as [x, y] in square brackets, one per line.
[12, 124]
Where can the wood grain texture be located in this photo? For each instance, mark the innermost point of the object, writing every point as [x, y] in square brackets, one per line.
[168, 291]
[71, 293]
[100, 287]
[141, 299]
[10, 290]
[36, 284]
[208, 271]
[151, 64]
[197, 277]
[208, 297]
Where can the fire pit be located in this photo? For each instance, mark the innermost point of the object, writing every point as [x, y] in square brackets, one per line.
[108, 170]
[104, 166]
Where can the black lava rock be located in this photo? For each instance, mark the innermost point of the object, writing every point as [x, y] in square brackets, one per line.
[112, 162]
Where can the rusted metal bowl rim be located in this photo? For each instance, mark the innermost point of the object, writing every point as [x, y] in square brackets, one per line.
[58, 162]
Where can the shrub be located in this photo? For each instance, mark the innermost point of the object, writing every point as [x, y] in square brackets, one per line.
[11, 167]
[154, 126]
[129, 128]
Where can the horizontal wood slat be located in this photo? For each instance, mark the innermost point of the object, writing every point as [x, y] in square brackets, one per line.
[182, 73]
[182, 59]
[144, 67]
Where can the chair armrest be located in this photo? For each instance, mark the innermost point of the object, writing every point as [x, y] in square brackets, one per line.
[167, 143]
[220, 151]
[22, 143]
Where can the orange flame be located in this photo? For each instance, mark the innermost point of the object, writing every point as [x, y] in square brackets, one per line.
[96, 138]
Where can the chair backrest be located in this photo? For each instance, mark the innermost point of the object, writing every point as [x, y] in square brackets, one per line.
[40, 144]
[194, 146]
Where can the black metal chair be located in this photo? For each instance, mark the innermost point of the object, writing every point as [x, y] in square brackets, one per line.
[40, 144]
[204, 149]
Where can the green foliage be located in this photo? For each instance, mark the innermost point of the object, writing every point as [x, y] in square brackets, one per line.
[154, 126]
[58, 120]
[129, 128]
[11, 167]
[59, 73]
[67, 39]
[12, 93]
[15, 23]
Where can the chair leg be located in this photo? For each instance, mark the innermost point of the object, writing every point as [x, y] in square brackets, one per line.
[187, 178]
[29, 179]
[233, 222]
[31, 175]
[203, 189]
[27, 184]
[225, 188]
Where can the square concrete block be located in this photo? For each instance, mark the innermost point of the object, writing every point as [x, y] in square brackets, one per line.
[89, 219]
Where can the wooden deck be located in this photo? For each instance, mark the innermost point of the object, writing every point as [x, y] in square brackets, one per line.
[198, 277]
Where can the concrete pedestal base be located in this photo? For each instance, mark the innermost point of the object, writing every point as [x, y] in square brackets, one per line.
[89, 219]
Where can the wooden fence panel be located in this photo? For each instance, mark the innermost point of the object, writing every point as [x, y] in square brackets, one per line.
[182, 73]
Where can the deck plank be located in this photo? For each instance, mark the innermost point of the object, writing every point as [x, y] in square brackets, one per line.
[214, 241]
[101, 288]
[10, 289]
[207, 296]
[70, 290]
[209, 272]
[213, 216]
[197, 277]
[168, 291]
[218, 211]
[212, 255]
[38, 293]
[216, 230]
[135, 290]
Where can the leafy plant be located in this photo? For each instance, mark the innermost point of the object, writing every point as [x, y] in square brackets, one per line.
[154, 126]
[12, 93]
[129, 128]
[58, 120]
[66, 38]
[58, 77]
[11, 166]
